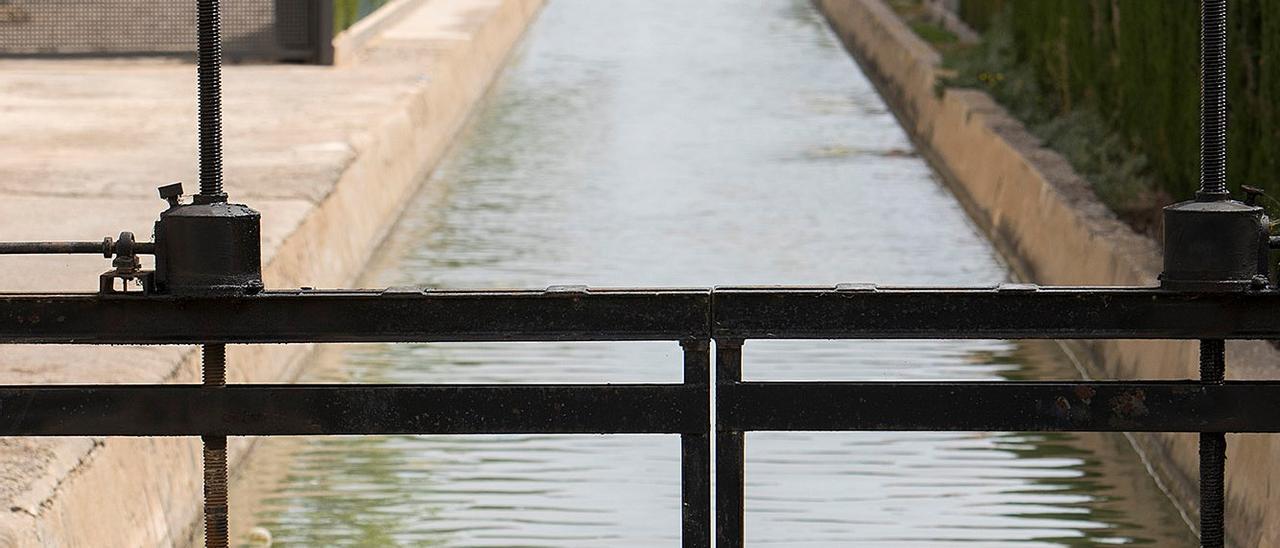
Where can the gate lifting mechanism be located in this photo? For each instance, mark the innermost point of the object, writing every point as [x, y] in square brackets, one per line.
[207, 289]
[201, 248]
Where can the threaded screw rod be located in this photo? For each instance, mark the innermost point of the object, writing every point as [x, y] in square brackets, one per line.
[215, 492]
[209, 71]
[1213, 100]
[1213, 454]
[214, 374]
[1213, 186]
[213, 371]
[214, 359]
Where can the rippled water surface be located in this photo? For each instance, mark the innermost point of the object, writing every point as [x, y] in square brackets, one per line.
[675, 142]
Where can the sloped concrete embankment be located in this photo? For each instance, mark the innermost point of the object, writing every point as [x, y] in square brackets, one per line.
[1048, 223]
[329, 155]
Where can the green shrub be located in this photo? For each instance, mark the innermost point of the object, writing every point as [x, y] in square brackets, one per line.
[1133, 67]
[347, 12]
[1116, 168]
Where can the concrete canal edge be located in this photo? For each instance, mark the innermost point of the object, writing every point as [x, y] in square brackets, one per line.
[147, 492]
[1052, 229]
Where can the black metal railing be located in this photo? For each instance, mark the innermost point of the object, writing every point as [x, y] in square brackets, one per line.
[691, 317]
[1013, 311]
[207, 289]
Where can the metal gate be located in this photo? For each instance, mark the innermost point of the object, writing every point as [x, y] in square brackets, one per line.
[299, 31]
[207, 289]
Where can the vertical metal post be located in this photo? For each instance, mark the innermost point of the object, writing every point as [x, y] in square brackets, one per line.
[730, 492]
[323, 25]
[695, 453]
[214, 359]
[1213, 186]
[1213, 454]
[214, 373]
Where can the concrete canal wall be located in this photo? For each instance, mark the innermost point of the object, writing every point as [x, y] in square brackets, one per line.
[1048, 223]
[329, 155]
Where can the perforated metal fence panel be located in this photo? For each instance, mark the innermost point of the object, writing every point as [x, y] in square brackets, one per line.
[252, 30]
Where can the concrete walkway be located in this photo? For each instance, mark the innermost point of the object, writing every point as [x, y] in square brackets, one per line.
[328, 154]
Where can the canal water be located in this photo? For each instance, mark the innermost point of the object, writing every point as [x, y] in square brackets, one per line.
[668, 142]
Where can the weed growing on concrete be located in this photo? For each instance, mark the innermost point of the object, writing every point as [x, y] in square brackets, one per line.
[1115, 167]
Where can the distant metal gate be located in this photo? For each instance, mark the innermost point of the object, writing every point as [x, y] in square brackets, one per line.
[253, 30]
[207, 290]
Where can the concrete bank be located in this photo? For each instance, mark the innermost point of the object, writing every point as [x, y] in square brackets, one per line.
[329, 155]
[1048, 223]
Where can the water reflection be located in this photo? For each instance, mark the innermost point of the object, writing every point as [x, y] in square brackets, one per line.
[662, 142]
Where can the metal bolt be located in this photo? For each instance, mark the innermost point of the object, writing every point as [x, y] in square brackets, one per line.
[171, 193]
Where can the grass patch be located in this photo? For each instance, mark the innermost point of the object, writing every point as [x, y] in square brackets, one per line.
[924, 25]
[933, 33]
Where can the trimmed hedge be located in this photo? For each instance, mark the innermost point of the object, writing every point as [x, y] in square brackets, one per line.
[1136, 63]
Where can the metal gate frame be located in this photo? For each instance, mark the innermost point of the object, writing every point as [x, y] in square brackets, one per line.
[692, 317]
[207, 290]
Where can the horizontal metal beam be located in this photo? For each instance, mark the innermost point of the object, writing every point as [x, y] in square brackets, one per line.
[571, 314]
[395, 315]
[1010, 312]
[1112, 406]
[310, 409]
[283, 410]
